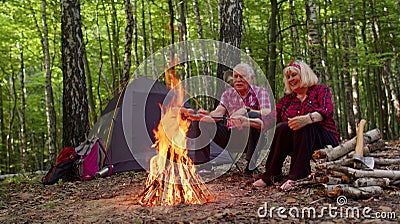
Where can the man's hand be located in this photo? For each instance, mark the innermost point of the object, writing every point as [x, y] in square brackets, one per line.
[295, 123]
[240, 121]
[240, 112]
[203, 112]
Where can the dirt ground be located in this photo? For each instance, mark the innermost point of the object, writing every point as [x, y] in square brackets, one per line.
[111, 200]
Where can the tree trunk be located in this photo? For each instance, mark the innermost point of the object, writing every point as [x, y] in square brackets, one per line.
[390, 76]
[10, 136]
[381, 105]
[210, 19]
[100, 64]
[314, 40]
[75, 105]
[348, 99]
[354, 64]
[369, 103]
[128, 41]
[115, 42]
[272, 45]
[135, 34]
[144, 36]
[50, 111]
[92, 108]
[230, 33]
[3, 152]
[153, 65]
[22, 127]
[110, 48]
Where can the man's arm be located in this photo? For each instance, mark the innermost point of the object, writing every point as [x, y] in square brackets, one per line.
[243, 121]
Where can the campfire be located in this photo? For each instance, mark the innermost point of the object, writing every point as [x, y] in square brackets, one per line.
[173, 179]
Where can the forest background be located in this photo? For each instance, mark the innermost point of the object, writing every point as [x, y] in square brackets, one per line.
[61, 61]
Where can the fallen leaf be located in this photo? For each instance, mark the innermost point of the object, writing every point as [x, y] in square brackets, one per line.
[291, 200]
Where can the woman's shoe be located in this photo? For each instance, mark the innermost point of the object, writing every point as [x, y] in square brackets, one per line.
[287, 186]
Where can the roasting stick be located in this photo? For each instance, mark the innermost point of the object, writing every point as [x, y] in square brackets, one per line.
[190, 114]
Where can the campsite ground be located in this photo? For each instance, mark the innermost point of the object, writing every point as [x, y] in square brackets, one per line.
[111, 200]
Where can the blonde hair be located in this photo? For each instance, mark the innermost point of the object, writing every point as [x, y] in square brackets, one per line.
[308, 77]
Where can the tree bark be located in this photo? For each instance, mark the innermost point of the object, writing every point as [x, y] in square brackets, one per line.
[392, 174]
[3, 152]
[314, 40]
[352, 192]
[153, 65]
[230, 32]
[135, 35]
[368, 181]
[272, 45]
[22, 118]
[115, 43]
[353, 64]
[130, 23]
[50, 110]
[75, 105]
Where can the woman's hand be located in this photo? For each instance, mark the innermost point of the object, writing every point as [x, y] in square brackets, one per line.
[295, 123]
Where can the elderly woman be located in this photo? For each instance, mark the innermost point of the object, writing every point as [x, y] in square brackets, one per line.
[305, 123]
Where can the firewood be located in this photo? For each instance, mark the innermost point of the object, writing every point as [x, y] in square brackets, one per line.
[334, 173]
[372, 147]
[392, 174]
[385, 154]
[395, 183]
[369, 181]
[340, 162]
[384, 161]
[344, 148]
[352, 192]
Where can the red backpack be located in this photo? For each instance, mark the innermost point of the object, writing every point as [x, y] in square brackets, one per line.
[63, 169]
[80, 163]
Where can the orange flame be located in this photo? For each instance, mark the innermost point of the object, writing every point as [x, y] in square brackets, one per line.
[173, 179]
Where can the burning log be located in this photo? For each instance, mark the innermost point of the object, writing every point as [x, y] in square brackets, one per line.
[331, 153]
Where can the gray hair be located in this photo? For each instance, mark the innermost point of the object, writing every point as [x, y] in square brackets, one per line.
[247, 68]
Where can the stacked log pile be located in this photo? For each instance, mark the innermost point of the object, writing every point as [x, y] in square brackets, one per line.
[359, 168]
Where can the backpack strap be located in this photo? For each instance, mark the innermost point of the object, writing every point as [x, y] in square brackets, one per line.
[106, 155]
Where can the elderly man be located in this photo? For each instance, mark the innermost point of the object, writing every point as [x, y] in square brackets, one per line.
[243, 99]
